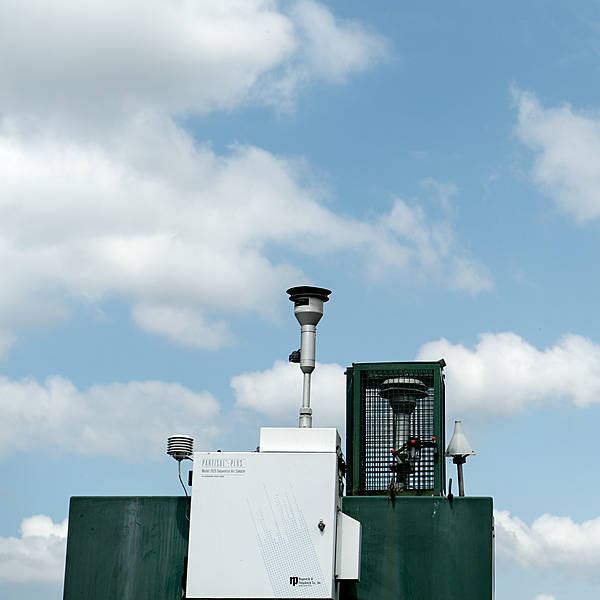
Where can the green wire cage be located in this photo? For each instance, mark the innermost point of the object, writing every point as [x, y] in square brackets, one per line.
[395, 428]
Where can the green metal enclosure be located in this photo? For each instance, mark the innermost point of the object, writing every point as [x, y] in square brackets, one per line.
[126, 548]
[370, 427]
[417, 544]
[414, 548]
[419, 548]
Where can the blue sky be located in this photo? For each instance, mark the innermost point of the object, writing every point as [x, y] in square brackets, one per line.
[168, 169]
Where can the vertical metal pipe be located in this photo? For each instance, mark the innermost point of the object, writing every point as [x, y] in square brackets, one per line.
[306, 410]
[401, 430]
[308, 342]
[461, 483]
[307, 364]
[306, 391]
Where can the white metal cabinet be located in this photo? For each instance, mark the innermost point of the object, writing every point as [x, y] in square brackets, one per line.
[254, 525]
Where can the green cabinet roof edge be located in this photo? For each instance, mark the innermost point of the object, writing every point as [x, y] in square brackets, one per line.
[415, 365]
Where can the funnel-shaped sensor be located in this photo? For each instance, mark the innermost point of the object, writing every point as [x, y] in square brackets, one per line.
[459, 445]
[402, 393]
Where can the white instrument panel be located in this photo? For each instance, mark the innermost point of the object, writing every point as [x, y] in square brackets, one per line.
[263, 525]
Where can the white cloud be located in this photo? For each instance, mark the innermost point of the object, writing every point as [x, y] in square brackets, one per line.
[182, 233]
[544, 597]
[276, 393]
[124, 419]
[550, 543]
[182, 325]
[566, 146]
[38, 555]
[332, 49]
[104, 195]
[504, 374]
[93, 61]
[434, 250]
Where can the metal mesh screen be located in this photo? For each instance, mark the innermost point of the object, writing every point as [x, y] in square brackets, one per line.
[377, 432]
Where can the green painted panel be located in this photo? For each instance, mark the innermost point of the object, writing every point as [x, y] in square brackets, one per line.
[416, 548]
[127, 548]
[423, 548]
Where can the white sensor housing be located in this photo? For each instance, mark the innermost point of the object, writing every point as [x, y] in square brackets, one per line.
[180, 447]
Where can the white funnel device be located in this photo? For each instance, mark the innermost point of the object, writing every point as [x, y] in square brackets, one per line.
[459, 445]
[308, 308]
[458, 449]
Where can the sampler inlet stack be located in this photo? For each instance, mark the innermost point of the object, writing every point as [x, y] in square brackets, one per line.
[269, 524]
[308, 308]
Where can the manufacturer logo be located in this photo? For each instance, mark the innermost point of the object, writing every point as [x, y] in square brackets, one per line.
[294, 581]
